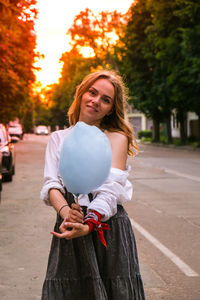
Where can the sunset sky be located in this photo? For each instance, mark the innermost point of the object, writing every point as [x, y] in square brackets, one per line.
[54, 19]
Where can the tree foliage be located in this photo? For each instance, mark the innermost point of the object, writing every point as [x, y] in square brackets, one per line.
[136, 59]
[187, 79]
[17, 43]
[75, 68]
[154, 46]
[98, 32]
[161, 59]
[95, 33]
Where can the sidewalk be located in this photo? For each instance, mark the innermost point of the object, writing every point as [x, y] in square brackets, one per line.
[170, 146]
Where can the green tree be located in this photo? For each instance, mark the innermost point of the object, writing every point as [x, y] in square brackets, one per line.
[40, 108]
[175, 33]
[165, 39]
[27, 120]
[135, 56]
[160, 57]
[190, 50]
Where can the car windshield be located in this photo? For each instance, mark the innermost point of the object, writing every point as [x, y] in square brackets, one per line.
[42, 127]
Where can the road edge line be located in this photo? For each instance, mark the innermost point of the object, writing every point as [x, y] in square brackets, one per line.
[173, 257]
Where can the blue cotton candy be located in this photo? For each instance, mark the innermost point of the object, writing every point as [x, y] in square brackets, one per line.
[85, 159]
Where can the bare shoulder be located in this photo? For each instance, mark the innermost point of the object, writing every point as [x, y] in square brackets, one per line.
[119, 145]
[118, 138]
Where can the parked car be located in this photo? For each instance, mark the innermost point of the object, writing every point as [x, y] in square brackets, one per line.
[8, 154]
[15, 130]
[42, 130]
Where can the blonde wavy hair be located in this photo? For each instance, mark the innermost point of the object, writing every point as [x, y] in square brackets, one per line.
[116, 120]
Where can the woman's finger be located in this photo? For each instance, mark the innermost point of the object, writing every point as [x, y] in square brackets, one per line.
[76, 216]
[76, 213]
[73, 225]
[76, 207]
[60, 235]
[62, 227]
[76, 230]
[76, 219]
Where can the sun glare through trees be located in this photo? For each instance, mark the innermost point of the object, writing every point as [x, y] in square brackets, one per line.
[52, 26]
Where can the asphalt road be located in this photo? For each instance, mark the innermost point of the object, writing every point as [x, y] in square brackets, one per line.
[165, 213]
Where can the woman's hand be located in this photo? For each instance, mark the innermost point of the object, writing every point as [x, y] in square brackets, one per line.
[76, 230]
[75, 214]
[75, 217]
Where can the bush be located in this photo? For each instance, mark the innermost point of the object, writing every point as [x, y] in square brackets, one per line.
[163, 139]
[144, 134]
[177, 142]
[149, 140]
[196, 144]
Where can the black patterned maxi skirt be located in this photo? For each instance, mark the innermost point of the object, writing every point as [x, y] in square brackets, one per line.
[83, 269]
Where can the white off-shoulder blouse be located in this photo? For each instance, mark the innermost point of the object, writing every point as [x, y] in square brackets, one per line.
[117, 189]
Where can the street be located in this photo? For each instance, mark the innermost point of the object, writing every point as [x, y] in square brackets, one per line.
[167, 206]
[164, 211]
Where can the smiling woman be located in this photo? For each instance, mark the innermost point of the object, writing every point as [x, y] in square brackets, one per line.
[85, 262]
[97, 102]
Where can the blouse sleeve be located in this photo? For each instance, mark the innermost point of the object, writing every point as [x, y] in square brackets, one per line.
[115, 190]
[51, 177]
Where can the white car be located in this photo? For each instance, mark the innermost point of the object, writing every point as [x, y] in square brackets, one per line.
[15, 130]
[42, 130]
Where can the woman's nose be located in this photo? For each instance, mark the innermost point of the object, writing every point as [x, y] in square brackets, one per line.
[96, 100]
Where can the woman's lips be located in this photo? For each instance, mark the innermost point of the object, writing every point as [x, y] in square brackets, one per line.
[92, 108]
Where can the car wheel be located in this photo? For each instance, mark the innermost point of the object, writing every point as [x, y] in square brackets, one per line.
[13, 170]
[7, 177]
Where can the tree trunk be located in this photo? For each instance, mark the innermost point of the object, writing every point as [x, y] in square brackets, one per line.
[156, 130]
[199, 129]
[169, 128]
[183, 126]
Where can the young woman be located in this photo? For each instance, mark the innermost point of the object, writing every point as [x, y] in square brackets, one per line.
[86, 262]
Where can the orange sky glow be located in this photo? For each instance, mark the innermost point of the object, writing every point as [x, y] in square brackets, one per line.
[54, 19]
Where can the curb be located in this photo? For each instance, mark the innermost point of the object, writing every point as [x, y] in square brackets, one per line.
[171, 146]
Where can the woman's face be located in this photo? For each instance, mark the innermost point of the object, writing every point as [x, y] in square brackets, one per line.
[97, 102]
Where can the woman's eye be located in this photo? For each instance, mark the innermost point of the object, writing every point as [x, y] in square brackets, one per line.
[106, 100]
[92, 92]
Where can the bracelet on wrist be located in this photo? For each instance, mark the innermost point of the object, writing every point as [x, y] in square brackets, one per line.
[62, 208]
